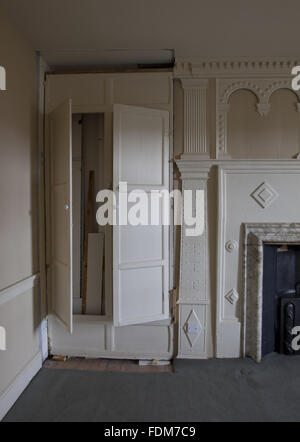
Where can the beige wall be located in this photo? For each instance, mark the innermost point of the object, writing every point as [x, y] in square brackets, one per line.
[18, 201]
[275, 135]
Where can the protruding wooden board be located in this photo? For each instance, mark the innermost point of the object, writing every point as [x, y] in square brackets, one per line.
[88, 221]
[95, 273]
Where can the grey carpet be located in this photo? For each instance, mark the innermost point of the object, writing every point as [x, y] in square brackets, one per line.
[198, 391]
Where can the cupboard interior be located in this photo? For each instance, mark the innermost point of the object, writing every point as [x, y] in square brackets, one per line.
[90, 154]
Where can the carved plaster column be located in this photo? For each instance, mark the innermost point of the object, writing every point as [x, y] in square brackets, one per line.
[195, 124]
[193, 296]
[222, 112]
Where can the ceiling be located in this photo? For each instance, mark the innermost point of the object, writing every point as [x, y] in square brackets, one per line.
[126, 32]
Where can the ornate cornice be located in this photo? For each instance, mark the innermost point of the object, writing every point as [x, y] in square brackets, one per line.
[234, 67]
[262, 88]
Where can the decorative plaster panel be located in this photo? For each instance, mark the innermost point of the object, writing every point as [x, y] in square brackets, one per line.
[265, 195]
[192, 328]
[263, 88]
[192, 331]
[232, 297]
[231, 246]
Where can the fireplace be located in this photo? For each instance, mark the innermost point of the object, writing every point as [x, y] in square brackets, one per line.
[262, 242]
[281, 297]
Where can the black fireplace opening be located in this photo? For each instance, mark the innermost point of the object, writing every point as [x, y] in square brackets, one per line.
[281, 298]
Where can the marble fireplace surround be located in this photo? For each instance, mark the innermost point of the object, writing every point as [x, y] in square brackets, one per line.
[255, 236]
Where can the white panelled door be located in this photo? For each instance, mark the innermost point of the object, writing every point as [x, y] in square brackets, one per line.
[141, 253]
[61, 213]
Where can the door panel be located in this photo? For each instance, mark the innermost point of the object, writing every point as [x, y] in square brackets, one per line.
[141, 138]
[141, 297]
[141, 253]
[139, 243]
[61, 213]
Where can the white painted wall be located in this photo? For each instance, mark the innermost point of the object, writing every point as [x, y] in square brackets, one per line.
[18, 215]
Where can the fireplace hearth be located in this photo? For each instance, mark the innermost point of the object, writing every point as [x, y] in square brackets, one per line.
[256, 312]
[281, 297]
[289, 318]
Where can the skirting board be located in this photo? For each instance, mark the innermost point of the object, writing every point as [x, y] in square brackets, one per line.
[14, 391]
[43, 336]
[193, 357]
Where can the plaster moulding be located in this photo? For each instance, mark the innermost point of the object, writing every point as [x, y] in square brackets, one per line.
[232, 297]
[231, 246]
[192, 335]
[234, 67]
[191, 167]
[264, 195]
[262, 76]
[263, 88]
[263, 109]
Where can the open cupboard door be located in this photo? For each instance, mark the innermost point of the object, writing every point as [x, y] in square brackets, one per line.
[61, 214]
[140, 253]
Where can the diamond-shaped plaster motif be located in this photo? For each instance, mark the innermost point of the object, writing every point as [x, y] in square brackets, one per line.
[232, 296]
[264, 195]
[192, 319]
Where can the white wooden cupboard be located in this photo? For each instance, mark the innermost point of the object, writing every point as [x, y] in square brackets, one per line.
[137, 111]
